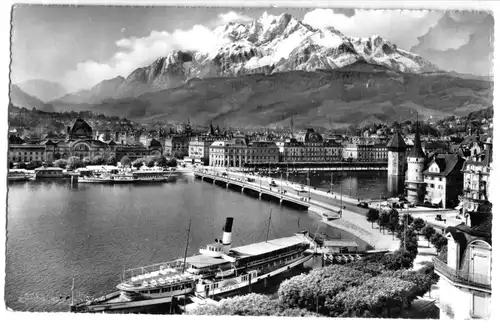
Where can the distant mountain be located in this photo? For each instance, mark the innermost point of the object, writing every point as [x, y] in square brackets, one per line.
[104, 90]
[21, 99]
[43, 89]
[358, 93]
[269, 45]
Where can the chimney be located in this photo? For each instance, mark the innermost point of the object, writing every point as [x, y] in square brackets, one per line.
[226, 235]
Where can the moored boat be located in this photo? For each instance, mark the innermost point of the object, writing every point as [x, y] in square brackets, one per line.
[94, 179]
[123, 178]
[217, 270]
[19, 175]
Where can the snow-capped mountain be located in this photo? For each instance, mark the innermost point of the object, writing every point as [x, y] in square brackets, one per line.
[268, 45]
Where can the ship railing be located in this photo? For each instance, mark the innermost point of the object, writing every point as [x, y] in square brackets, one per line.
[160, 267]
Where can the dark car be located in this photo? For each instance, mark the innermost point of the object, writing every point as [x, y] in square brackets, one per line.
[224, 174]
[363, 205]
[440, 218]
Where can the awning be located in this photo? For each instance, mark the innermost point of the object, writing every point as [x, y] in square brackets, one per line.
[459, 207]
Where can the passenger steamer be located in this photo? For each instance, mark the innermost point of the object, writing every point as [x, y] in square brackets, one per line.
[218, 270]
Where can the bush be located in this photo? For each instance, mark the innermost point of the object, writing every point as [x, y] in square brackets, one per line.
[87, 161]
[125, 161]
[399, 260]
[74, 163]
[372, 298]
[61, 163]
[162, 161]
[150, 161]
[97, 160]
[138, 163]
[422, 281]
[248, 305]
[33, 164]
[111, 160]
[418, 224]
[439, 241]
[428, 232]
[310, 291]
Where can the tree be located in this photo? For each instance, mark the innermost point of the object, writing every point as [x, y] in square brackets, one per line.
[60, 163]
[162, 161]
[393, 223]
[22, 165]
[87, 161]
[311, 290]
[97, 160]
[125, 161]
[111, 160]
[383, 220]
[373, 298]
[33, 164]
[428, 232]
[372, 215]
[138, 163]
[172, 162]
[11, 164]
[418, 224]
[74, 163]
[439, 241]
[150, 161]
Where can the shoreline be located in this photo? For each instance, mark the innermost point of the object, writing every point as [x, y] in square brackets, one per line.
[352, 223]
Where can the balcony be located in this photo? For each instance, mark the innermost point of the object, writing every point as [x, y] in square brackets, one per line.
[458, 277]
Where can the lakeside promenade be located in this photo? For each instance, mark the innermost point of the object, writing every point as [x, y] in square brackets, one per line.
[353, 219]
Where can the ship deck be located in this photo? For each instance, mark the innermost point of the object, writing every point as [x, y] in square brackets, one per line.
[266, 247]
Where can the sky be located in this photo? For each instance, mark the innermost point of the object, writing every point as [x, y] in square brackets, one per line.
[79, 46]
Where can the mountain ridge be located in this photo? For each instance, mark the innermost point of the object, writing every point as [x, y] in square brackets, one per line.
[267, 45]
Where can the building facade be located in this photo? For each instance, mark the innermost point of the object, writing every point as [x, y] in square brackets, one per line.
[476, 177]
[443, 180]
[238, 152]
[396, 152]
[177, 146]
[415, 184]
[465, 273]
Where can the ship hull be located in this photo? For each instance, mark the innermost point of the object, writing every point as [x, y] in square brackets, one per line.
[137, 306]
[232, 289]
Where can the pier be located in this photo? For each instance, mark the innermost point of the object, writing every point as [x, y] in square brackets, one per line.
[276, 193]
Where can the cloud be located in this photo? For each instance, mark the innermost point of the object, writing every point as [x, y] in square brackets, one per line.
[402, 27]
[231, 16]
[461, 41]
[138, 52]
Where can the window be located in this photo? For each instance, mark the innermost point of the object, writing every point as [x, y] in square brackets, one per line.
[432, 185]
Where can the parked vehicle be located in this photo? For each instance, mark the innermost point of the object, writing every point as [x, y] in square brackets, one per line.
[363, 205]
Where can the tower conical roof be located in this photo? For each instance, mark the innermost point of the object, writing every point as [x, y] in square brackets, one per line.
[396, 142]
[417, 146]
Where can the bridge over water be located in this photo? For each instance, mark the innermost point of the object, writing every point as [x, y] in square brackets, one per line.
[275, 193]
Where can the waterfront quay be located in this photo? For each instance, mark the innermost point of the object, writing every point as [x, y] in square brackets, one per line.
[323, 166]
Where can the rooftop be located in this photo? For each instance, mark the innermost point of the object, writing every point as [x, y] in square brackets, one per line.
[396, 142]
[340, 243]
[202, 260]
[266, 247]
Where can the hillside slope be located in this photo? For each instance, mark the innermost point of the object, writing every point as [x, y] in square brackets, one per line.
[360, 92]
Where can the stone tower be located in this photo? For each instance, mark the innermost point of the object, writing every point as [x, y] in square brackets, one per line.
[396, 150]
[415, 185]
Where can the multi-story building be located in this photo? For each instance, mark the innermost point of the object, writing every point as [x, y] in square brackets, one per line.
[238, 152]
[26, 153]
[443, 180]
[476, 177]
[177, 145]
[415, 184]
[313, 150]
[362, 152]
[228, 153]
[465, 272]
[199, 147]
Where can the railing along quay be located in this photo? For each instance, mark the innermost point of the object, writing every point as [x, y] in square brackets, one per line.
[283, 197]
[462, 277]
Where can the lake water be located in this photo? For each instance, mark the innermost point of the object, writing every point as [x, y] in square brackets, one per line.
[93, 232]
